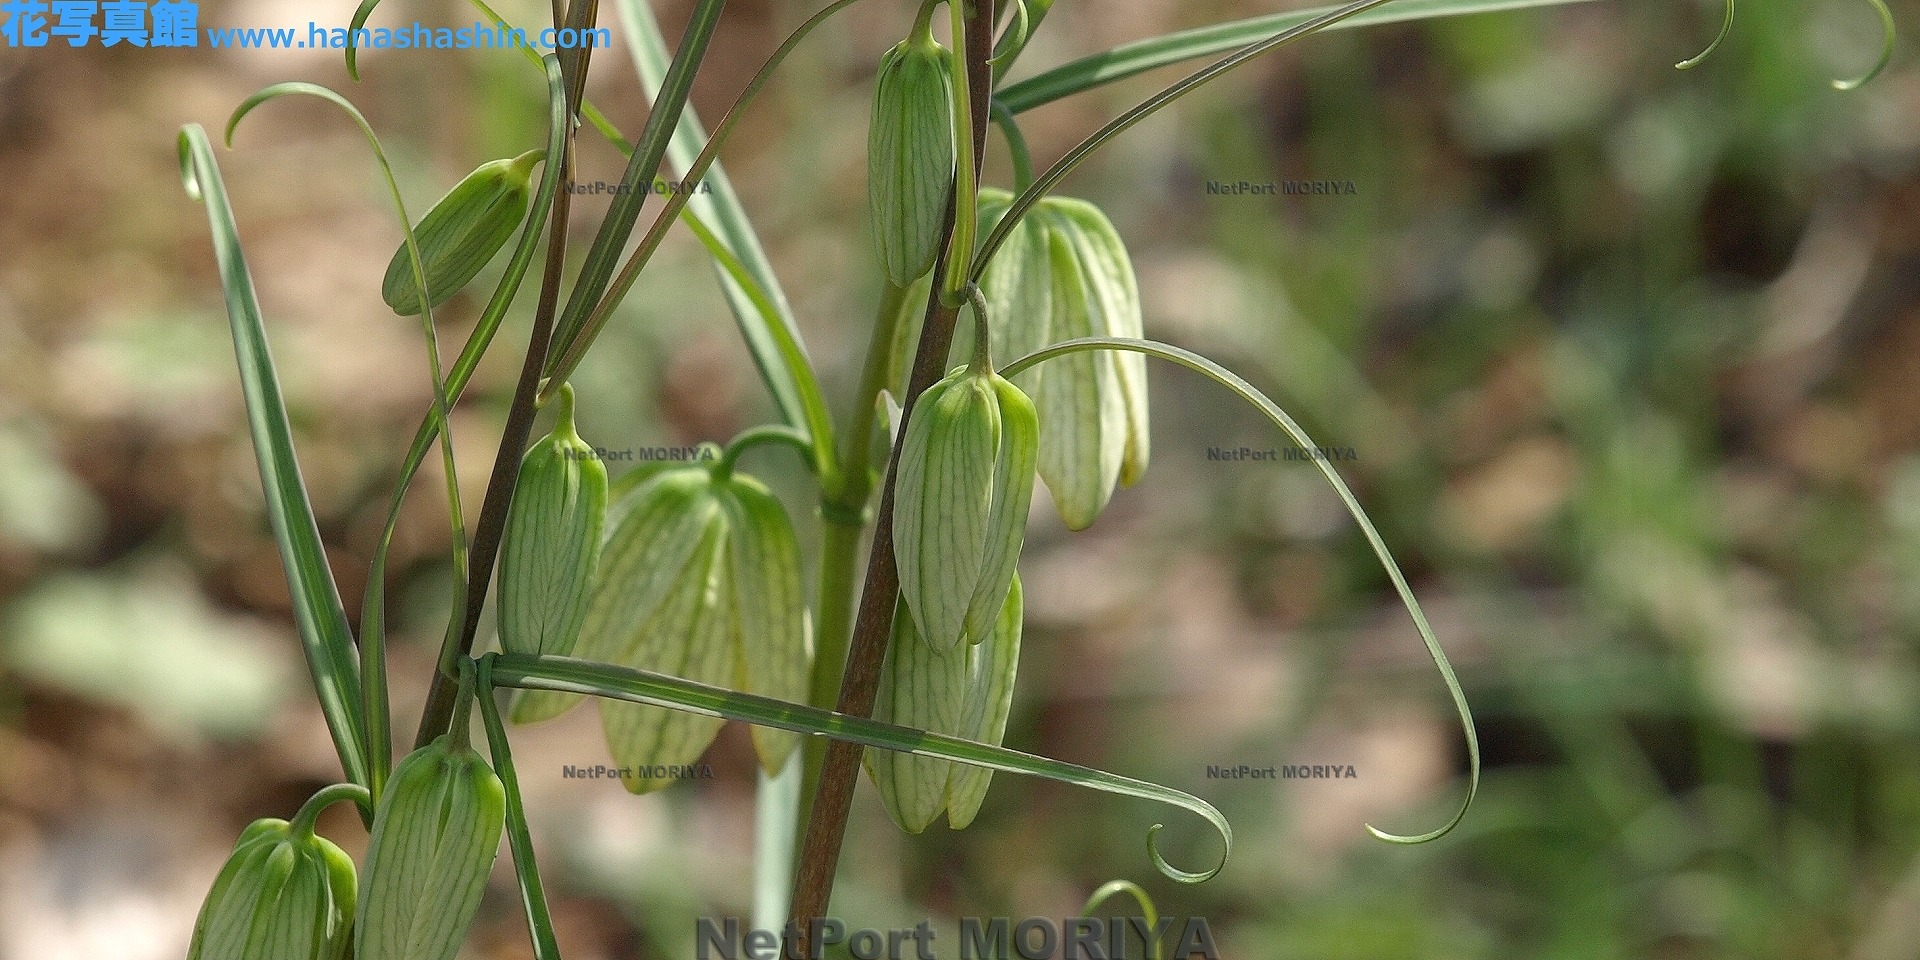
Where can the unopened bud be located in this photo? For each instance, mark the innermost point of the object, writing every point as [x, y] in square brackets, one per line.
[910, 155]
[461, 233]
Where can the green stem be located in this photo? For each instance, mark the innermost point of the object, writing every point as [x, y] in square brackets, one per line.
[1281, 419]
[953, 285]
[458, 643]
[866, 651]
[833, 625]
[373, 607]
[844, 518]
[1016, 146]
[770, 433]
[982, 364]
[309, 812]
[458, 730]
[533, 895]
[572, 350]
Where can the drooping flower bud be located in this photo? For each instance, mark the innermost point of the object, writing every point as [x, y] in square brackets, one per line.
[910, 154]
[960, 510]
[700, 578]
[551, 544]
[1062, 274]
[435, 835]
[284, 894]
[462, 232]
[966, 693]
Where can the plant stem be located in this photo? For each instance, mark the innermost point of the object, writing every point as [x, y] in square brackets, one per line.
[844, 513]
[441, 696]
[966, 169]
[1016, 147]
[827, 820]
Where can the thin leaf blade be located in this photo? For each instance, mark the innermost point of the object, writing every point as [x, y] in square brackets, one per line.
[322, 621]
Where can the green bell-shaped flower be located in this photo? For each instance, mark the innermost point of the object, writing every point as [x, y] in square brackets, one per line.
[551, 544]
[285, 893]
[699, 578]
[435, 835]
[910, 153]
[960, 501]
[1063, 273]
[965, 693]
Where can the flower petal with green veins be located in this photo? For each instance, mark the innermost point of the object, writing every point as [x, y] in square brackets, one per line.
[773, 635]
[1113, 311]
[992, 667]
[1018, 287]
[910, 156]
[1083, 417]
[945, 503]
[1015, 458]
[551, 545]
[656, 534]
[967, 692]
[279, 897]
[435, 837]
[925, 690]
[689, 635]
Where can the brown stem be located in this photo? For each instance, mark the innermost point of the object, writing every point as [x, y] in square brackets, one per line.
[827, 824]
[444, 693]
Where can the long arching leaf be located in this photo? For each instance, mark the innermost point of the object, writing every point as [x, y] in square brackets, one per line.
[324, 633]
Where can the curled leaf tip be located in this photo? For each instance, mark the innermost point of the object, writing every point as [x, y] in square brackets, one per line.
[1182, 876]
[1886, 50]
[1726, 26]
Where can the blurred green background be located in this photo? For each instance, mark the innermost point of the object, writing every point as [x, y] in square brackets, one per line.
[1628, 359]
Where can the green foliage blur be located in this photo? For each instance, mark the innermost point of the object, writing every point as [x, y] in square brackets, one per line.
[1628, 360]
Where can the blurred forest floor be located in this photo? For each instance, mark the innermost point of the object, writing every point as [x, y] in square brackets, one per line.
[1628, 360]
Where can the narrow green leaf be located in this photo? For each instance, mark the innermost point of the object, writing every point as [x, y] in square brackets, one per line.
[605, 680]
[373, 655]
[1130, 59]
[322, 621]
[533, 895]
[718, 204]
[636, 184]
[1281, 419]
